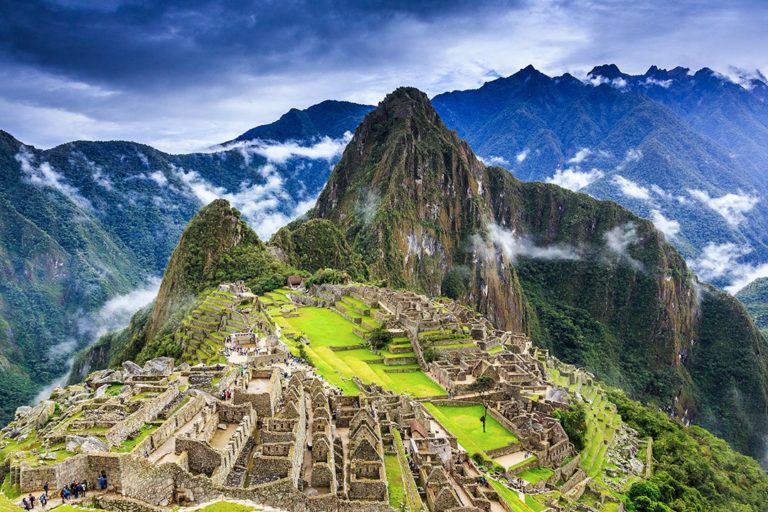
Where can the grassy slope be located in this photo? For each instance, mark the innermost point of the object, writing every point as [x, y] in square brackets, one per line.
[325, 329]
[464, 422]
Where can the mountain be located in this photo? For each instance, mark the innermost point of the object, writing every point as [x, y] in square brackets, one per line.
[326, 119]
[84, 222]
[683, 150]
[216, 246]
[588, 279]
[755, 298]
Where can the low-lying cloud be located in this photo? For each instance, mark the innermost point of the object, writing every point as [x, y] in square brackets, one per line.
[722, 262]
[44, 175]
[575, 179]
[115, 314]
[631, 188]
[580, 156]
[266, 206]
[515, 246]
[669, 227]
[619, 239]
[731, 206]
[280, 152]
[495, 160]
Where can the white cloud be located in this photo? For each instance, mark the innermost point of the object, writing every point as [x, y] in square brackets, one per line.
[722, 262]
[597, 80]
[574, 179]
[266, 206]
[495, 160]
[618, 240]
[102, 179]
[631, 189]
[159, 178]
[521, 156]
[280, 152]
[44, 175]
[580, 156]
[117, 311]
[113, 315]
[513, 246]
[661, 83]
[669, 227]
[731, 207]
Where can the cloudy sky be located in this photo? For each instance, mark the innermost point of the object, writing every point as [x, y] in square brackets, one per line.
[185, 74]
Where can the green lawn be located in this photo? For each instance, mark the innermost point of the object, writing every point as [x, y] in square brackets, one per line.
[535, 475]
[464, 423]
[395, 479]
[512, 499]
[325, 329]
[225, 506]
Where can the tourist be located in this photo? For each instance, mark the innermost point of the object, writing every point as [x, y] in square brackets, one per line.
[45, 488]
[25, 504]
[31, 501]
[43, 501]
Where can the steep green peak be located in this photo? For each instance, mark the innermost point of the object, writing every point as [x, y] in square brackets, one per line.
[203, 253]
[405, 103]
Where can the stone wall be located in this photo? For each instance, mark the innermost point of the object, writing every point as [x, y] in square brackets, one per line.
[171, 425]
[148, 412]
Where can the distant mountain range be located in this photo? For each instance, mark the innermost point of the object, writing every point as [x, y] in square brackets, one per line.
[86, 221]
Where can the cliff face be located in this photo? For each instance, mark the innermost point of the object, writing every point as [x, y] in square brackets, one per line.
[588, 279]
[412, 198]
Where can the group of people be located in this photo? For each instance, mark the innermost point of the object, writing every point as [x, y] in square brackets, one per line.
[73, 491]
[28, 503]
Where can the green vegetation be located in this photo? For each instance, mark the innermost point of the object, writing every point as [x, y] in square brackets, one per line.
[379, 338]
[574, 422]
[129, 444]
[319, 244]
[395, 479]
[693, 470]
[512, 499]
[464, 423]
[226, 506]
[327, 330]
[535, 475]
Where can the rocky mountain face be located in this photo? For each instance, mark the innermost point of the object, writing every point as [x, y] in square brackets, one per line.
[588, 279]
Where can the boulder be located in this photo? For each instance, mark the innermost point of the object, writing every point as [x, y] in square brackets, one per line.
[88, 444]
[159, 366]
[131, 368]
[33, 418]
[106, 377]
[101, 392]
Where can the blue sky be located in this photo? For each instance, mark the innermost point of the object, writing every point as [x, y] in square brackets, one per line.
[185, 74]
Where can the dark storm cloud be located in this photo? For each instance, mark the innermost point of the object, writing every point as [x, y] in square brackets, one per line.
[184, 74]
[148, 44]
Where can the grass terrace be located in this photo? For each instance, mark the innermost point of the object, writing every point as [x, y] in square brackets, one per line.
[226, 506]
[464, 423]
[395, 479]
[512, 498]
[328, 332]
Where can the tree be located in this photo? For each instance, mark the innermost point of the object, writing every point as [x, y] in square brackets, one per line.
[483, 383]
[484, 417]
[574, 422]
[379, 338]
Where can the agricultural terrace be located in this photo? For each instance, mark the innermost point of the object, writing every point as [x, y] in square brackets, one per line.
[338, 351]
[464, 423]
[602, 424]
